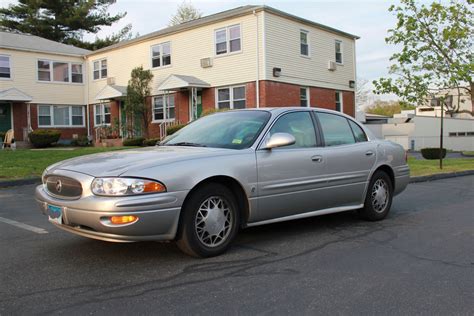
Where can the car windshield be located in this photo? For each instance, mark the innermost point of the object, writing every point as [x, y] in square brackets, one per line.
[233, 129]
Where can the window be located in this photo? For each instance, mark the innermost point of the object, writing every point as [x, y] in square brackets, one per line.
[336, 130]
[339, 106]
[100, 69]
[161, 55]
[358, 132]
[58, 71]
[5, 67]
[60, 115]
[304, 97]
[102, 114]
[298, 124]
[228, 40]
[76, 73]
[338, 48]
[304, 43]
[231, 98]
[160, 103]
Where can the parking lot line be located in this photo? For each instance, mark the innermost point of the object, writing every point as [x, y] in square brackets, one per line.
[24, 226]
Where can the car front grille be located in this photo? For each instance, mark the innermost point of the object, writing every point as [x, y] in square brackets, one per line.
[63, 187]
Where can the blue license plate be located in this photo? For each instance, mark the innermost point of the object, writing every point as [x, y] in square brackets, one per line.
[55, 214]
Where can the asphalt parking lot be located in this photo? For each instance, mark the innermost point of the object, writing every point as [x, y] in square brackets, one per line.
[420, 260]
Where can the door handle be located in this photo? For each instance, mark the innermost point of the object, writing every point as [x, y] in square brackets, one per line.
[317, 158]
[369, 153]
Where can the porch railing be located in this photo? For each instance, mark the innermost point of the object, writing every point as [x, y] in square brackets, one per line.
[164, 126]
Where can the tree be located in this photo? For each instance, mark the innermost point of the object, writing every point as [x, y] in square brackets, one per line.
[436, 51]
[136, 109]
[388, 108]
[63, 21]
[362, 92]
[186, 12]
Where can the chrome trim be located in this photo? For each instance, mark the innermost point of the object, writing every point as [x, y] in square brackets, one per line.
[304, 182]
[308, 214]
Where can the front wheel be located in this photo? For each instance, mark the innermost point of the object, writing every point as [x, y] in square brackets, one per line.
[210, 221]
[379, 197]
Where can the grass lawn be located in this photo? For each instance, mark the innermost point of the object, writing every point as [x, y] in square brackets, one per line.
[422, 167]
[25, 163]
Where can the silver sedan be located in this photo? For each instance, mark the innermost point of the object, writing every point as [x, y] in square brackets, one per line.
[224, 172]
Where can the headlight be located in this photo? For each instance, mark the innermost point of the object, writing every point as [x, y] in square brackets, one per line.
[125, 186]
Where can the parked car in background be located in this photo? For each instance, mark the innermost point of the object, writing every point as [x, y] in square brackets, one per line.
[223, 172]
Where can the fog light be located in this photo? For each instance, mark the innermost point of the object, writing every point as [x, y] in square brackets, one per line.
[120, 220]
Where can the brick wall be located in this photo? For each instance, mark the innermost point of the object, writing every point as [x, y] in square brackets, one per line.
[20, 119]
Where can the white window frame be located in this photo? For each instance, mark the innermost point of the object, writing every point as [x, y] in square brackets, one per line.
[307, 43]
[165, 106]
[51, 115]
[227, 40]
[341, 45]
[100, 69]
[160, 45]
[231, 96]
[102, 114]
[9, 66]
[341, 101]
[51, 74]
[307, 96]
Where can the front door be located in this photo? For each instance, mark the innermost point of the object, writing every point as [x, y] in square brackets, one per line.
[5, 117]
[289, 177]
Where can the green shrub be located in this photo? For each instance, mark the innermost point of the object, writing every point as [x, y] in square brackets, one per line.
[170, 130]
[150, 142]
[432, 153]
[81, 141]
[42, 138]
[211, 111]
[134, 141]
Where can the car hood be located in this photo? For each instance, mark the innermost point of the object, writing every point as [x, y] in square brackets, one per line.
[115, 163]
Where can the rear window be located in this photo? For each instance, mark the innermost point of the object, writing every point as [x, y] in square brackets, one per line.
[336, 130]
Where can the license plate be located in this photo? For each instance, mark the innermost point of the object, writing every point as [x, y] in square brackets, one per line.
[55, 214]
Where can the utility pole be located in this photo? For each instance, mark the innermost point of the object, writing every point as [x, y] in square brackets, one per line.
[441, 136]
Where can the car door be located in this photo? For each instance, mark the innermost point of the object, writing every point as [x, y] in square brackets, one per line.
[288, 176]
[349, 158]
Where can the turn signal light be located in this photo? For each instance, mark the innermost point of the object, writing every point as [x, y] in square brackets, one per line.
[153, 187]
[120, 220]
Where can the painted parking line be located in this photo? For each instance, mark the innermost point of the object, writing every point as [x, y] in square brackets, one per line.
[24, 226]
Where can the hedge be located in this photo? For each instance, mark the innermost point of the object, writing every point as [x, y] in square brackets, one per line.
[133, 141]
[432, 153]
[170, 130]
[42, 138]
[150, 142]
[81, 141]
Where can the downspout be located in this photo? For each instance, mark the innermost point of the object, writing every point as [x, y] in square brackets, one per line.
[86, 97]
[257, 81]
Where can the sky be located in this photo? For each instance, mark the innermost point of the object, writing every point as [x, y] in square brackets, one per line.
[368, 19]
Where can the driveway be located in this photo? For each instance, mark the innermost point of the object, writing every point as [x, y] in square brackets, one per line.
[420, 260]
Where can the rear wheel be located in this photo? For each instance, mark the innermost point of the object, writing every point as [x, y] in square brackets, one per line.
[210, 221]
[379, 197]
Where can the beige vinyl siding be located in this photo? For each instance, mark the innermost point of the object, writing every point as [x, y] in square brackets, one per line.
[24, 78]
[283, 51]
[187, 49]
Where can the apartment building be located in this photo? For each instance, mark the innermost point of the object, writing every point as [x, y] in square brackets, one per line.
[250, 56]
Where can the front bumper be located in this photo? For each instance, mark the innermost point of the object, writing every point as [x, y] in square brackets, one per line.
[158, 215]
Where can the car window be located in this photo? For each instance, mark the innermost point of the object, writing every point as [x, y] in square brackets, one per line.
[298, 124]
[358, 132]
[336, 129]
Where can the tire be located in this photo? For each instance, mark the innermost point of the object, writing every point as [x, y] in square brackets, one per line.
[378, 199]
[210, 221]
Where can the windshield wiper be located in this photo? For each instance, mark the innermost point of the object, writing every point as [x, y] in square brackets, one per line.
[186, 144]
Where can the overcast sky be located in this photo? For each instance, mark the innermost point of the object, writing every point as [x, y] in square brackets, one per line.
[369, 19]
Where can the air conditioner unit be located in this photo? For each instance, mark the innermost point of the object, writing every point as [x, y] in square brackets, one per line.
[111, 80]
[206, 62]
[332, 65]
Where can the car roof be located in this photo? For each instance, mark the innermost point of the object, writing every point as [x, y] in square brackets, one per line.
[279, 110]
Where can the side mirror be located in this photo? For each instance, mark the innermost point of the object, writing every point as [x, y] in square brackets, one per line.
[280, 140]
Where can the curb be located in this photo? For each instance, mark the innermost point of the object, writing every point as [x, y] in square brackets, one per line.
[19, 182]
[440, 176]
